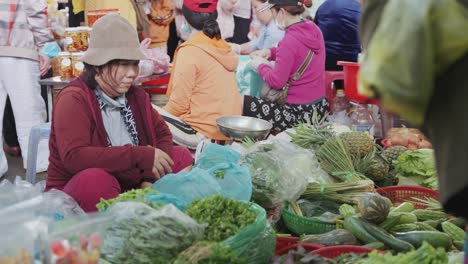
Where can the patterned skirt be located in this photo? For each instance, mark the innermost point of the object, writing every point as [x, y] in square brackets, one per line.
[285, 116]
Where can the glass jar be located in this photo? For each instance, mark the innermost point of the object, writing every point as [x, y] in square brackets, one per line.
[77, 62]
[65, 65]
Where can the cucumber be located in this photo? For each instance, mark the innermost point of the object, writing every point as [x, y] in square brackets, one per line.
[332, 238]
[405, 218]
[435, 238]
[354, 224]
[390, 222]
[387, 239]
[376, 245]
[405, 207]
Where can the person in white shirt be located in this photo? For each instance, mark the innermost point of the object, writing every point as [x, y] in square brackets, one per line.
[242, 19]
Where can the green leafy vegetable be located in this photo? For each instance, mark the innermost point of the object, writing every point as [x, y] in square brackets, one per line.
[137, 195]
[225, 217]
[208, 253]
[426, 254]
[417, 163]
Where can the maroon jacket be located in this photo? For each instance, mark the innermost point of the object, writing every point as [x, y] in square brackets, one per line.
[78, 139]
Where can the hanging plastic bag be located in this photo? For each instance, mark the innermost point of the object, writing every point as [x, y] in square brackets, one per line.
[188, 186]
[274, 178]
[255, 243]
[158, 61]
[77, 240]
[19, 190]
[148, 235]
[249, 82]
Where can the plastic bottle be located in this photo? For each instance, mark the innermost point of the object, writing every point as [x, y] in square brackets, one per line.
[361, 119]
[339, 109]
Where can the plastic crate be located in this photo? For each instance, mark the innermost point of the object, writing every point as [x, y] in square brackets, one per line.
[303, 225]
[336, 251]
[309, 247]
[400, 194]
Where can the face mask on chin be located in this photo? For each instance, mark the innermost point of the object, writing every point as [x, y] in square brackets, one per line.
[185, 27]
[281, 25]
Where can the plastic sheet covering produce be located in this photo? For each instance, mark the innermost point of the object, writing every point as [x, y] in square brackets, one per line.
[20, 230]
[221, 163]
[414, 43]
[141, 234]
[19, 190]
[256, 242]
[280, 171]
[248, 81]
[76, 240]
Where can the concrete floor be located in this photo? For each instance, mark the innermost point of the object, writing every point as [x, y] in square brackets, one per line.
[15, 167]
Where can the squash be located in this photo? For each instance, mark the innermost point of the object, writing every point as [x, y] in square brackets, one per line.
[332, 238]
[354, 224]
[373, 207]
[434, 238]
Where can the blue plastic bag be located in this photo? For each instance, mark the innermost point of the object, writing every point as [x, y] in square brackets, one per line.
[214, 154]
[235, 181]
[188, 186]
[166, 198]
[249, 82]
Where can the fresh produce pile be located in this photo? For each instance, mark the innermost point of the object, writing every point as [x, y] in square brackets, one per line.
[137, 195]
[301, 256]
[225, 217]
[418, 165]
[208, 253]
[426, 254]
[141, 234]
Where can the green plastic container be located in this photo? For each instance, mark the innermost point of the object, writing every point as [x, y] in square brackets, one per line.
[300, 225]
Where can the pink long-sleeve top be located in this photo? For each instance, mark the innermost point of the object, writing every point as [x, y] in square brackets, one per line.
[289, 55]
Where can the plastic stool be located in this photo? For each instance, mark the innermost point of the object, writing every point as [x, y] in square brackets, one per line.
[38, 132]
[330, 77]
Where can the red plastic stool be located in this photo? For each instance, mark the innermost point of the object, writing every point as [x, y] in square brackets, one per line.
[330, 77]
[351, 72]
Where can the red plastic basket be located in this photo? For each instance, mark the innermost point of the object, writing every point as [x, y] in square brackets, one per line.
[307, 246]
[158, 81]
[400, 194]
[336, 251]
[282, 242]
[351, 70]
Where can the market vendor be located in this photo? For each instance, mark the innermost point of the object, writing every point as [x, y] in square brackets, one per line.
[299, 65]
[203, 84]
[106, 138]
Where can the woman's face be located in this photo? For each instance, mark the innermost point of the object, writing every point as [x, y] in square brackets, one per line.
[263, 17]
[116, 78]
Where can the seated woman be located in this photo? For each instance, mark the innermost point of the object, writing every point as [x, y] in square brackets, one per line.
[203, 85]
[106, 138]
[306, 95]
[269, 35]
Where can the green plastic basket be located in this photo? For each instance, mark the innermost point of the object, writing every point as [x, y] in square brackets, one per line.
[300, 225]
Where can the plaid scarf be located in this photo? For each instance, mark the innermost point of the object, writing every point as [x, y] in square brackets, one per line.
[129, 121]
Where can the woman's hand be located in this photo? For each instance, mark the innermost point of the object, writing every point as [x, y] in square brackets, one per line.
[145, 185]
[261, 53]
[162, 163]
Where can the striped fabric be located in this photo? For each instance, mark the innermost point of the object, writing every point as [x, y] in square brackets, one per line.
[23, 28]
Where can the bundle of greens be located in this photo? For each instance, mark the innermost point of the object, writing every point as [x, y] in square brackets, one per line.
[140, 234]
[208, 253]
[349, 258]
[225, 217]
[426, 254]
[137, 195]
[418, 163]
[343, 192]
[336, 159]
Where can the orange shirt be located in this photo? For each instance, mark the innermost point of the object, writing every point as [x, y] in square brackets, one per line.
[203, 85]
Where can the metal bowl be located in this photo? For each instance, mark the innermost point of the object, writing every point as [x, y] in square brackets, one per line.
[240, 127]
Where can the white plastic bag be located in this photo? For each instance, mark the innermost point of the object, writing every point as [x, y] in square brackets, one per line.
[158, 61]
[19, 190]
